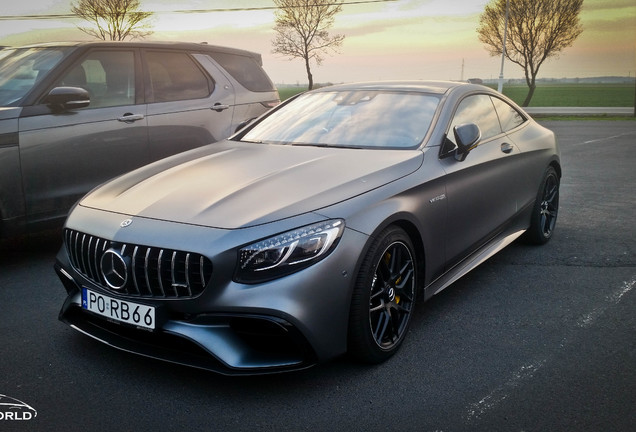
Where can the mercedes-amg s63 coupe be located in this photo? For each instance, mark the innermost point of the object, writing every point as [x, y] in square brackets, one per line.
[312, 231]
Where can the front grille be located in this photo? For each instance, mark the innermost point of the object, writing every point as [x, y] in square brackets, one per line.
[150, 272]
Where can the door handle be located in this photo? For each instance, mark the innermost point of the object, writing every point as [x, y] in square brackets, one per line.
[218, 107]
[506, 148]
[130, 117]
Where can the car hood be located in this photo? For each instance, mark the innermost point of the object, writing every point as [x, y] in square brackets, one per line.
[236, 185]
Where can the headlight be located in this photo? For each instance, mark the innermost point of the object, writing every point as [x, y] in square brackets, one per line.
[288, 252]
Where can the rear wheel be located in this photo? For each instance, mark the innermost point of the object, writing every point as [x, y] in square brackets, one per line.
[546, 208]
[383, 298]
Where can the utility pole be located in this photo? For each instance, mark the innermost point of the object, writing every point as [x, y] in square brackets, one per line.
[503, 50]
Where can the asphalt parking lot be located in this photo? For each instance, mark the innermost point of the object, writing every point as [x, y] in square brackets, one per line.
[536, 339]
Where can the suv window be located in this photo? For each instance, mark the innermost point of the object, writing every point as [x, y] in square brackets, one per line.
[21, 69]
[246, 70]
[175, 76]
[509, 117]
[108, 76]
[477, 109]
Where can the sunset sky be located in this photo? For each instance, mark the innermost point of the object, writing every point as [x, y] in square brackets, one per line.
[404, 39]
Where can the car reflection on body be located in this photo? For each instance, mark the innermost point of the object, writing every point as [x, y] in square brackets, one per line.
[309, 233]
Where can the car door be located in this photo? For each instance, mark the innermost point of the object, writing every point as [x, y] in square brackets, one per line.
[481, 190]
[65, 154]
[190, 104]
[529, 173]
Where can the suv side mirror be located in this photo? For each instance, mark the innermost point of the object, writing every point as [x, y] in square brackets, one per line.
[67, 98]
[466, 136]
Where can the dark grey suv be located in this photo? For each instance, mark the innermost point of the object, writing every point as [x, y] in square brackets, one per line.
[73, 115]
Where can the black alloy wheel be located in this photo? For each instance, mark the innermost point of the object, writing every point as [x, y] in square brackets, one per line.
[384, 297]
[546, 208]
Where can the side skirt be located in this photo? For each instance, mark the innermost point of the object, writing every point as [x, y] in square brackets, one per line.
[472, 261]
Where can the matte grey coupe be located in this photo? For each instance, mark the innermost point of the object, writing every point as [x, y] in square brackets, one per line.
[310, 232]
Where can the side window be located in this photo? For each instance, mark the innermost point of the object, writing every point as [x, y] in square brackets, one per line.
[175, 76]
[109, 77]
[246, 70]
[476, 109]
[21, 68]
[509, 117]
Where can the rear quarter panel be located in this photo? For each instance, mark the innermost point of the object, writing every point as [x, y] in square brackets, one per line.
[539, 149]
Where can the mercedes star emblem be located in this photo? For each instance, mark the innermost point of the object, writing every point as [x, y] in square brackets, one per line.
[114, 269]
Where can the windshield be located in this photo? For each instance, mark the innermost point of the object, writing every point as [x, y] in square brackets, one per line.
[22, 68]
[359, 119]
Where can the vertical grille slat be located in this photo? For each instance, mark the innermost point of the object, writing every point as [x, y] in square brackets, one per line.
[82, 253]
[187, 274]
[143, 269]
[89, 265]
[201, 272]
[134, 273]
[146, 272]
[70, 247]
[159, 278]
[95, 262]
[173, 260]
[153, 272]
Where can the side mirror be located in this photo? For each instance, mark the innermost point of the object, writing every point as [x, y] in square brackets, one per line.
[466, 136]
[67, 98]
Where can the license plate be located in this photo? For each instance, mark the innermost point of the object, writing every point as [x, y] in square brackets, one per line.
[118, 310]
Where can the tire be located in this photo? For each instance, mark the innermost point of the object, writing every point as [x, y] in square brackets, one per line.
[545, 210]
[383, 297]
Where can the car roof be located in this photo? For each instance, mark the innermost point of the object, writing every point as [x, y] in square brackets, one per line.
[438, 87]
[203, 46]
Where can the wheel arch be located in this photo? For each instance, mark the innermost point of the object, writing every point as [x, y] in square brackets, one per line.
[359, 343]
[416, 238]
[557, 167]
[407, 223]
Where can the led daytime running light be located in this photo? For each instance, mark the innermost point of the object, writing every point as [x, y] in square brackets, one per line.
[290, 248]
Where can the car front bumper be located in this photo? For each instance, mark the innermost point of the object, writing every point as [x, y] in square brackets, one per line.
[290, 323]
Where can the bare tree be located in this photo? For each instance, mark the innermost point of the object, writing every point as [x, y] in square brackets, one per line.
[112, 19]
[301, 30]
[537, 30]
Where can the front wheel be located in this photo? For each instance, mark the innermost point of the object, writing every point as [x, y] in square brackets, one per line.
[383, 297]
[545, 210]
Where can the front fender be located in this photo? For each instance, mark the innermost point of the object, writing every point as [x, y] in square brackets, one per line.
[419, 208]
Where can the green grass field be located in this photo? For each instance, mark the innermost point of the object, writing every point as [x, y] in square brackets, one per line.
[287, 92]
[574, 95]
[552, 95]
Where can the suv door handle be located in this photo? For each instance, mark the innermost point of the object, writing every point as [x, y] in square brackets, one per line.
[130, 117]
[506, 148]
[218, 107]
